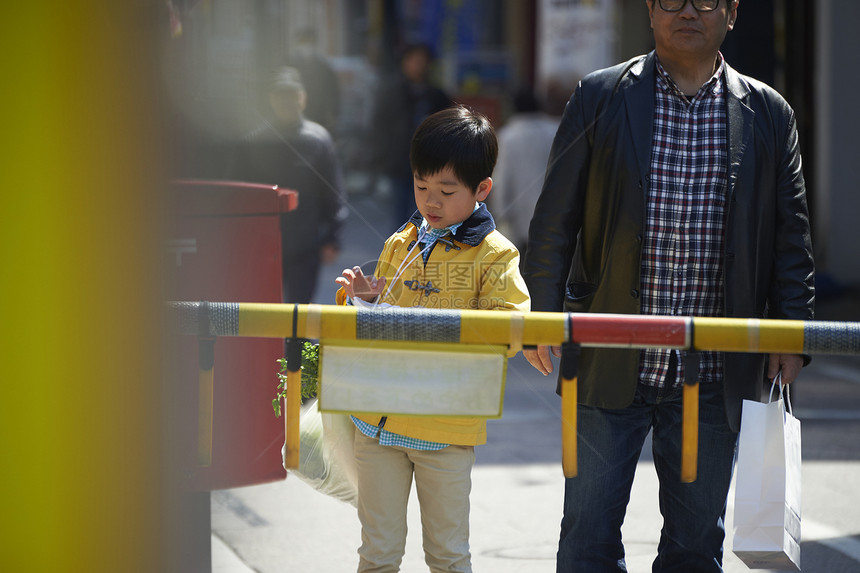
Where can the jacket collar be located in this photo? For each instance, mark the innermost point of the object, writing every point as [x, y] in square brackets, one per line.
[740, 119]
[473, 230]
[638, 89]
[637, 86]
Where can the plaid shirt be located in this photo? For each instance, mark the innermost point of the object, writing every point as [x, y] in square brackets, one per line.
[434, 234]
[682, 254]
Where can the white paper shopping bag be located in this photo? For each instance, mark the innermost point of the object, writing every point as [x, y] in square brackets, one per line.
[767, 490]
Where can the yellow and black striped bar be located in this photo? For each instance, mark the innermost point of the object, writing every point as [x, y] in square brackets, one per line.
[271, 320]
[525, 329]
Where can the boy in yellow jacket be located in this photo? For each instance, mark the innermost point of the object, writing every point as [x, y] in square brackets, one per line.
[448, 255]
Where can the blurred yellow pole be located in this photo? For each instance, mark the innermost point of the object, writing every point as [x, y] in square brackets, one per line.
[81, 418]
[205, 386]
[204, 417]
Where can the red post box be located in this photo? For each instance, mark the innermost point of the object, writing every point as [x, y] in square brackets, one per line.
[224, 245]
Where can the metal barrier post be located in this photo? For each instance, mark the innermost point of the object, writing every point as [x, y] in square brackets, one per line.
[690, 420]
[293, 404]
[569, 401]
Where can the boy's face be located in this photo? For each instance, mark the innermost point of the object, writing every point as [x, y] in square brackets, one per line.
[444, 201]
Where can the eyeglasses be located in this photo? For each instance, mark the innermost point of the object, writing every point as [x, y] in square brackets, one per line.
[699, 5]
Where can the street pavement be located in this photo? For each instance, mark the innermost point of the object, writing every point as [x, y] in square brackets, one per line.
[517, 488]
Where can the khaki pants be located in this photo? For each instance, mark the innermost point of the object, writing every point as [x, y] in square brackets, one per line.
[443, 482]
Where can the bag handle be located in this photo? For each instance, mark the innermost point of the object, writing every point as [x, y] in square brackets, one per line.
[782, 393]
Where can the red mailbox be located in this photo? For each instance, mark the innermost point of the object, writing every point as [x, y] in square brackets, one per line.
[224, 245]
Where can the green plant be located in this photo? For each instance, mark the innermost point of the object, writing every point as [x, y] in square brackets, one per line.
[310, 375]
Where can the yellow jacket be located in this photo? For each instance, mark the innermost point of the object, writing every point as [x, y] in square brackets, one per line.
[477, 268]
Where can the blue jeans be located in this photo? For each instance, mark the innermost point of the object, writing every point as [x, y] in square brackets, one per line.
[609, 443]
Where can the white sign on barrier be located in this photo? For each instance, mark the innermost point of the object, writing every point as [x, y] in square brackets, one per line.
[433, 379]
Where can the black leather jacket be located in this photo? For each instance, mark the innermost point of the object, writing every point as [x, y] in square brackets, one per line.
[590, 217]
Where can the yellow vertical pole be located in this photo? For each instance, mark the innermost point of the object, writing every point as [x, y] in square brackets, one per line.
[690, 433]
[293, 404]
[568, 426]
[291, 418]
[568, 390]
[690, 420]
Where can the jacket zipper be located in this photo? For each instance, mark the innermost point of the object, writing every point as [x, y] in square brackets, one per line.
[380, 425]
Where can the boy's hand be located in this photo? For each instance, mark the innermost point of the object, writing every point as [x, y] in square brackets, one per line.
[356, 285]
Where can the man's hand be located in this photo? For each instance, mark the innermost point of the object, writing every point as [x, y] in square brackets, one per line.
[356, 285]
[540, 357]
[790, 364]
[328, 253]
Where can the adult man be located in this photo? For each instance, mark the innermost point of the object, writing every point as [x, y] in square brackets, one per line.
[674, 187]
[290, 151]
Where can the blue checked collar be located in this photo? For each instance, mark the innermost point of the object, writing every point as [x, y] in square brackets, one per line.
[470, 232]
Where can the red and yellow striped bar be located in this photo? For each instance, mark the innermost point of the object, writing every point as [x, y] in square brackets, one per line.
[551, 328]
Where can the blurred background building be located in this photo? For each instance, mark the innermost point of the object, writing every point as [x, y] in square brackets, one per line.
[485, 50]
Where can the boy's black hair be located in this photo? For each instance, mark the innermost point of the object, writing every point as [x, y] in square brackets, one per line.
[459, 138]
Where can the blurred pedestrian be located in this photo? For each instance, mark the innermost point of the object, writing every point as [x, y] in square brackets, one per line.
[674, 187]
[402, 103]
[524, 144]
[320, 81]
[295, 153]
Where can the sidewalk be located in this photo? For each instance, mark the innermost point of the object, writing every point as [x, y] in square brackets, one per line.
[516, 502]
[224, 560]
